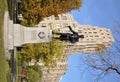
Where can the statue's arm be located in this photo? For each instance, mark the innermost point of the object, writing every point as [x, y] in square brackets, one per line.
[71, 30]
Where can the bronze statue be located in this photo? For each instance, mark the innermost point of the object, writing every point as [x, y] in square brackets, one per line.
[74, 37]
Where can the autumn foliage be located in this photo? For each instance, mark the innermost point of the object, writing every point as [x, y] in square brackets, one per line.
[34, 10]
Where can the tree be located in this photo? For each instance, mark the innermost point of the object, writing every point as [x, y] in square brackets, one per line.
[29, 9]
[107, 63]
[49, 53]
[37, 68]
[34, 10]
[32, 76]
[33, 70]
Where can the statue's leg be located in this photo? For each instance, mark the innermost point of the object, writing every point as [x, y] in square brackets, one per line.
[81, 36]
[57, 33]
[57, 38]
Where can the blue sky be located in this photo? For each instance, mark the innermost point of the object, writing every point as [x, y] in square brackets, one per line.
[102, 13]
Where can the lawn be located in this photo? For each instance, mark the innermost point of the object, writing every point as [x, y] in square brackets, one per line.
[3, 63]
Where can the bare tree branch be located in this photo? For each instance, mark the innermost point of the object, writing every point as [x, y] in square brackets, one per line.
[112, 68]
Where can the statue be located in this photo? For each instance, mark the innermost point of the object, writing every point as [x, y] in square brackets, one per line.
[73, 38]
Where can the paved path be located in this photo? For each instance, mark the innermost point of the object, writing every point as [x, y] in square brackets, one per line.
[5, 35]
[8, 43]
[8, 35]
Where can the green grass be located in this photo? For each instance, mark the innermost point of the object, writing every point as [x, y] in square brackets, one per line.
[3, 63]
